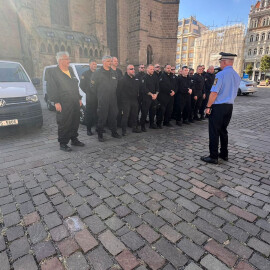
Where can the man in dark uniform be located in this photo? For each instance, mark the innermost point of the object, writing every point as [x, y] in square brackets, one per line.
[91, 100]
[157, 69]
[197, 92]
[128, 88]
[209, 78]
[63, 90]
[104, 84]
[140, 76]
[167, 89]
[220, 107]
[191, 72]
[150, 89]
[184, 97]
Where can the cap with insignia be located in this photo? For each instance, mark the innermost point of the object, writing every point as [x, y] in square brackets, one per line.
[227, 56]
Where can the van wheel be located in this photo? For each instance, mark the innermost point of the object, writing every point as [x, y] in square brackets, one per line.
[50, 106]
[245, 94]
[82, 115]
[239, 92]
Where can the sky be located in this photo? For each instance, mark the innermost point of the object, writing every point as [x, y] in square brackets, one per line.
[216, 13]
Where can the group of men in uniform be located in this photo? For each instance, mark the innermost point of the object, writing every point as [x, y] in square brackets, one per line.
[114, 99]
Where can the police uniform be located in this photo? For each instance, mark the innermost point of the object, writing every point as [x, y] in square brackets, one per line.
[226, 86]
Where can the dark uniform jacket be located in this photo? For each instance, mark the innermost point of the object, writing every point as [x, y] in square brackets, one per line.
[61, 88]
[140, 75]
[175, 81]
[166, 85]
[119, 74]
[85, 82]
[184, 83]
[128, 88]
[198, 85]
[209, 81]
[150, 83]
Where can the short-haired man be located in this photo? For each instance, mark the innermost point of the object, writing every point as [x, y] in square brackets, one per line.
[220, 107]
[128, 88]
[191, 72]
[91, 99]
[157, 69]
[104, 84]
[63, 90]
[140, 76]
[150, 90]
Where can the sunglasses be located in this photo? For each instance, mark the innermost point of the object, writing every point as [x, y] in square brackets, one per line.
[173, 69]
[131, 68]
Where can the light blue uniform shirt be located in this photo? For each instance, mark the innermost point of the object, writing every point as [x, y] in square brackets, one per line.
[226, 84]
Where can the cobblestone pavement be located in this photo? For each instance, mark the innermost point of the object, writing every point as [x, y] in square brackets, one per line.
[142, 202]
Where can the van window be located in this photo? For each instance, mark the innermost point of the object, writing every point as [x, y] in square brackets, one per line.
[12, 72]
[81, 69]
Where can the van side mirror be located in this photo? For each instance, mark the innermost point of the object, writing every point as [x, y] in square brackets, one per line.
[36, 81]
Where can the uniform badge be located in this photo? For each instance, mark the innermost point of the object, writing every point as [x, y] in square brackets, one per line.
[215, 81]
[142, 81]
[92, 82]
[113, 78]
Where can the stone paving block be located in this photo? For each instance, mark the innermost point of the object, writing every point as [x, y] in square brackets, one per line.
[206, 195]
[151, 258]
[211, 263]
[102, 192]
[260, 262]
[68, 190]
[169, 233]
[251, 200]
[186, 215]
[84, 211]
[126, 198]
[85, 240]
[241, 250]
[8, 208]
[138, 208]
[236, 201]
[6, 200]
[52, 220]
[65, 210]
[100, 259]
[95, 224]
[258, 211]
[259, 246]
[130, 189]
[216, 192]
[191, 249]
[36, 233]
[57, 199]
[103, 211]
[265, 236]
[59, 233]
[247, 226]
[27, 208]
[76, 200]
[43, 250]
[2, 243]
[45, 208]
[244, 190]
[132, 240]
[133, 220]
[11, 219]
[263, 224]
[122, 211]
[148, 233]
[221, 253]
[220, 202]
[127, 260]
[40, 199]
[25, 263]
[193, 266]
[52, 264]
[67, 247]
[114, 223]
[19, 248]
[153, 205]
[242, 213]
[210, 230]
[171, 253]
[169, 216]
[77, 261]
[4, 261]
[12, 234]
[204, 203]
[235, 232]
[51, 191]
[170, 205]
[224, 214]
[112, 202]
[192, 207]
[211, 218]
[244, 266]
[153, 220]
[31, 218]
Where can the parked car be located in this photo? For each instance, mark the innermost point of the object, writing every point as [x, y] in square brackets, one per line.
[246, 87]
[19, 103]
[78, 69]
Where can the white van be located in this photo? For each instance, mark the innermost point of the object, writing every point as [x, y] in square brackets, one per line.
[78, 69]
[19, 104]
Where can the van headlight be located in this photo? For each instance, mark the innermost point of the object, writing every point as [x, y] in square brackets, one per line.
[33, 98]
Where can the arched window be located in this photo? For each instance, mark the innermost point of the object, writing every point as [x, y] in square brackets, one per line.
[267, 21]
[101, 54]
[56, 49]
[85, 53]
[91, 52]
[261, 51]
[267, 50]
[257, 37]
[264, 22]
[255, 51]
[258, 65]
[63, 49]
[263, 36]
[69, 50]
[50, 50]
[42, 48]
[251, 38]
[249, 52]
[81, 52]
[96, 53]
[268, 35]
[149, 55]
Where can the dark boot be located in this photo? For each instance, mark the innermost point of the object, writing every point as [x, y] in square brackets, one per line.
[100, 136]
[136, 130]
[89, 132]
[65, 147]
[116, 135]
[124, 132]
[143, 128]
[178, 123]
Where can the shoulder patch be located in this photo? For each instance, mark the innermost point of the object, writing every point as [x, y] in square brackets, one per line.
[215, 81]
[114, 78]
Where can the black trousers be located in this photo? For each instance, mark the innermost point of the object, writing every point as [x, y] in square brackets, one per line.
[68, 122]
[91, 111]
[196, 105]
[165, 110]
[107, 112]
[130, 114]
[219, 120]
[148, 105]
[184, 109]
[204, 103]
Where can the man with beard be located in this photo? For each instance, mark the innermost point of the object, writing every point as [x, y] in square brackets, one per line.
[104, 84]
[91, 99]
[63, 90]
[157, 70]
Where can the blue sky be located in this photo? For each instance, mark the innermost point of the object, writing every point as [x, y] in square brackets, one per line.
[216, 12]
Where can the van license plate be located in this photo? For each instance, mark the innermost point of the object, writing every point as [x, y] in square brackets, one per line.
[8, 122]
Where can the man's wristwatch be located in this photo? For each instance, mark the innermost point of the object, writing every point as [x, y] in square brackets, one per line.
[208, 107]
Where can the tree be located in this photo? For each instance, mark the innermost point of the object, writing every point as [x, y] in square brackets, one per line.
[249, 69]
[265, 63]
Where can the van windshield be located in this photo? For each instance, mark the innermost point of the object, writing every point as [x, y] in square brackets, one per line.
[81, 69]
[12, 72]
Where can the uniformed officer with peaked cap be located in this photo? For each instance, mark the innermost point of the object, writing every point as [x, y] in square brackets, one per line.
[220, 107]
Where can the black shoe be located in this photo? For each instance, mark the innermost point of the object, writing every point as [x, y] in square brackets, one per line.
[116, 135]
[124, 133]
[103, 130]
[202, 117]
[77, 143]
[191, 121]
[136, 130]
[143, 129]
[153, 126]
[65, 147]
[178, 123]
[159, 127]
[197, 119]
[223, 157]
[186, 122]
[168, 125]
[209, 160]
[100, 137]
[89, 132]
